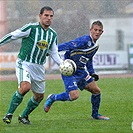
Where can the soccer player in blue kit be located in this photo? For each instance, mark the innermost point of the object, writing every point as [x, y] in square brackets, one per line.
[81, 51]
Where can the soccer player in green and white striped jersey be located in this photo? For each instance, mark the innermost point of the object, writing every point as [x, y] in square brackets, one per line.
[38, 40]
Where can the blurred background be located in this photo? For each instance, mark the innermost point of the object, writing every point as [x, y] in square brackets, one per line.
[73, 19]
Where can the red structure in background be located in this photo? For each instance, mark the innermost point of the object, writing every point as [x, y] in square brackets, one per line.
[3, 21]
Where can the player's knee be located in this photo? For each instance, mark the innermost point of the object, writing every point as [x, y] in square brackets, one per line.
[24, 87]
[41, 97]
[38, 97]
[74, 95]
[96, 91]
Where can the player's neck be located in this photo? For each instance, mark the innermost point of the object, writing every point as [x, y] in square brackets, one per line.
[45, 27]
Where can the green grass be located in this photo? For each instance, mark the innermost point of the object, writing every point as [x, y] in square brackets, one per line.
[73, 117]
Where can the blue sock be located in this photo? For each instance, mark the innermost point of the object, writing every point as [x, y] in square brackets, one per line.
[61, 97]
[95, 100]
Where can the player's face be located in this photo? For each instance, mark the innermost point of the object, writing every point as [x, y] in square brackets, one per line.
[46, 18]
[95, 32]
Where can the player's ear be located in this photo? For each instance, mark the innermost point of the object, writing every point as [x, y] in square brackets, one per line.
[90, 29]
[39, 15]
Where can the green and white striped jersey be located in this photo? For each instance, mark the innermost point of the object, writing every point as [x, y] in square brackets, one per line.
[36, 43]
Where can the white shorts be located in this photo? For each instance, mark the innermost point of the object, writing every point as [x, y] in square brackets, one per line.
[32, 73]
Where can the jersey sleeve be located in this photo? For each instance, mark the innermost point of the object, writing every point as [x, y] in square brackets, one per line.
[64, 46]
[54, 54]
[19, 33]
[74, 44]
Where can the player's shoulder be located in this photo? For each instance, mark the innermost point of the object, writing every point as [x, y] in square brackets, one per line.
[36, 24]
[29, 25]
[84, 38]
[52, 30]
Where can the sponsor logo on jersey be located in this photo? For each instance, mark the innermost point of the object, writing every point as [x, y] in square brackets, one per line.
[83, 59]
[42, 44]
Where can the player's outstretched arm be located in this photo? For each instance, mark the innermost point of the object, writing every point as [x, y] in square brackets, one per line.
[5, 39]
[19, 33]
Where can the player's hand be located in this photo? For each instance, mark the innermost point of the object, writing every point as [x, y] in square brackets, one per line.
[95, 76]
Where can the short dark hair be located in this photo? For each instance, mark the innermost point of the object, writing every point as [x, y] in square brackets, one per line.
[46, 8]
[99, 23]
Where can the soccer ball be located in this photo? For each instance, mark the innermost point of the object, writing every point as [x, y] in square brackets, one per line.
[68, 67]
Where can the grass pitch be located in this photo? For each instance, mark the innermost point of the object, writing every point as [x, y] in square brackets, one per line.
[73, 117]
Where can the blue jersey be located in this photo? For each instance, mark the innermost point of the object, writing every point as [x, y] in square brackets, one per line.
[81, 51]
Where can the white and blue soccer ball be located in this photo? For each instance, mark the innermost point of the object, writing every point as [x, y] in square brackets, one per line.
[68, 67]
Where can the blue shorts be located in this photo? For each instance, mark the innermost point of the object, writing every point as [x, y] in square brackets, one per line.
[79, 80]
